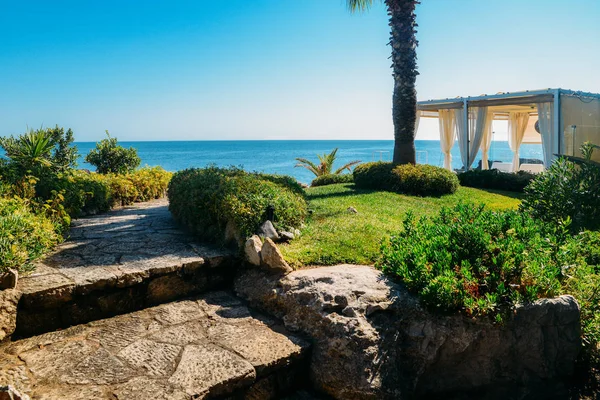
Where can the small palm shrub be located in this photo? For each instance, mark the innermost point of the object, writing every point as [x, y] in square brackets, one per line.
[419, 180]
[330, 179]
[480, 262]
[568, 190]
[109, 157]
[39, 153]
[205, 200]
[494, 179]
[25, 236]
[325, 164]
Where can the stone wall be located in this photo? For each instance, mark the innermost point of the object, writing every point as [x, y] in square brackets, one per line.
[373, 340]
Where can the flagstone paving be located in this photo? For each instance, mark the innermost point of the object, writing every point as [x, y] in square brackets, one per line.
[134, 247]
[207, 346]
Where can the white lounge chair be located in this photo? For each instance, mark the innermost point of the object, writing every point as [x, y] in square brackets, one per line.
[502, 166]
[533, 168]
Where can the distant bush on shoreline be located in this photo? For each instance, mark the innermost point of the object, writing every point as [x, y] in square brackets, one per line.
[206, 200]
[419, 180]
[110, 158]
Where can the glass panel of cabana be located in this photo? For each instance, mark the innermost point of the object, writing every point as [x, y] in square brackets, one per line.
[553, 121]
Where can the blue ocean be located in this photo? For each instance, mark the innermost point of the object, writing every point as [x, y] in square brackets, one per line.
[274, 156]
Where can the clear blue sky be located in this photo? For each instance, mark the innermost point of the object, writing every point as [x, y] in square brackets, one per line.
[271, 69]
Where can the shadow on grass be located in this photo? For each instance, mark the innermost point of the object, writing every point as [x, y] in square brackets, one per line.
[350, 189]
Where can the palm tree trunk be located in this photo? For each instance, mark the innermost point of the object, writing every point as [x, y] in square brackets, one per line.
[404, 65]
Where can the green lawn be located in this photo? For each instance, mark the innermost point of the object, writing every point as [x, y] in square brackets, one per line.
[333, 235]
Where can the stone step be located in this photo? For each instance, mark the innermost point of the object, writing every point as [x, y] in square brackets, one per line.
[209, 346]
[115, 263]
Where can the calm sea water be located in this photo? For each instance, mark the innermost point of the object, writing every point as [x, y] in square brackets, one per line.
[275, 156]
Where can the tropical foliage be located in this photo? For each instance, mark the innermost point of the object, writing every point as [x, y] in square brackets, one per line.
[108, 157]
[482, 262]
[325, 164]
[39, 152]
[404, 70]
[568, 191]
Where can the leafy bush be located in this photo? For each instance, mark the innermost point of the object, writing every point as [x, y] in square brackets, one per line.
[205, 200]
[494, 179]
[330, 179]
[419, 180]
[285, 181]
[477, 261]
[568, 190]
[39, 153]
[24, 235]
[109, 157]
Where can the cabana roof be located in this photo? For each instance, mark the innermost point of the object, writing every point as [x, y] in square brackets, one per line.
[504, 99]
[561, 120]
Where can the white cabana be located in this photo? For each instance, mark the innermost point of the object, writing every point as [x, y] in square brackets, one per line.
[560, 120]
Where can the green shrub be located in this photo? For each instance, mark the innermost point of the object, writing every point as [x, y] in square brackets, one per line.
[24, 235]
[494, 179]
[40, 153]
[568, 190]
[205, 200]
[374, 175]
[477, 261]
[330, 179]
[283, 180]
[109, 157]
[84, 193]
[419, 180]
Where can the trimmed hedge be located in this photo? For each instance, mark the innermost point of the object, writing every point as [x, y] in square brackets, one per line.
[494, 179]
[331, 179]
[205, 200]
[419, 180]
[24, 235]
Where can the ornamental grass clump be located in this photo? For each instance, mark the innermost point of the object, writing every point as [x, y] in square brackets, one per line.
[477, 261]
[206, 200]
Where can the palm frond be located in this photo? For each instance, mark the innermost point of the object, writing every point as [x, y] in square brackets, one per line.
[359, 5]
[309, 165]
[347, 166]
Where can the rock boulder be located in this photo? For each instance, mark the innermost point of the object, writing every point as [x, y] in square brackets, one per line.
[373, 340]
[272, 259]
[9, 299]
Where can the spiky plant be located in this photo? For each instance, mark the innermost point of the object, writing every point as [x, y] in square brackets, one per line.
[404, 66]
[31, 151]
[325, 165]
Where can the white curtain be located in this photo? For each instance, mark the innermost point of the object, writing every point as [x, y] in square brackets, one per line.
[417, 120]
[446, 122]
[477, 125]
[461, 134]
[486, 141]
[469, 146]
[546, 124]
[517, 123]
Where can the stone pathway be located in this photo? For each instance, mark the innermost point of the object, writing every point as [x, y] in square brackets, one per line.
[118, 262]
[207, 346]
[119, 248]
